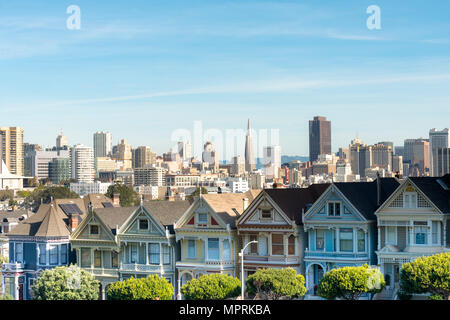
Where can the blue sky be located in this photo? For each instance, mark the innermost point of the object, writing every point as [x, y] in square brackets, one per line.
[142, 69]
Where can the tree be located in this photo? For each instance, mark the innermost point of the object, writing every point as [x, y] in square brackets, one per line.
[350, 283]
[275, 284]
[6, 194]
[427, 275]
[128, 197]
[151, 288]
[212, 287]
[196, 193]
[66, 283]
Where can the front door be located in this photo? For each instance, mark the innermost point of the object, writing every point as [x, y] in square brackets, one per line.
[20, 291]
[396, 273]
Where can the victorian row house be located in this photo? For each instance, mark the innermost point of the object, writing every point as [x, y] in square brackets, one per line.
[207, 235]
[114, 244]
[41, 242]
[413, 222]
[341, 227]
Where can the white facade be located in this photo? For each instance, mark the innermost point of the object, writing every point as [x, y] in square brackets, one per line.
[84, 188]
[237, 185]
[82, 163]
[149, 176]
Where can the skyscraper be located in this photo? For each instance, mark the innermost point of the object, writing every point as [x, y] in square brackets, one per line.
[11, 149]
[123, 153]
[438, 139]
[250, 164]
[319, 137]
[102, 144]
[61, 141]
[143, 156]
[82, 163]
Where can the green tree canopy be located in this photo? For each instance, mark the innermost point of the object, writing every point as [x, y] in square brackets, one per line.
[212, 287]
[151, 288]
[427, 275]
[196, 193]
[276, 283]
[128, 197]
[350, 283]
[66, 283]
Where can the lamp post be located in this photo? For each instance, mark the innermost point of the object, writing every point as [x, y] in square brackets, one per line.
[241, 254]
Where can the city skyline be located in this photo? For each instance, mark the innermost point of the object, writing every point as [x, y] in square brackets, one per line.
[146, 69]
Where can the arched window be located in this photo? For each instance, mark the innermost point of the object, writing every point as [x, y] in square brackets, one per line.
[291, 244]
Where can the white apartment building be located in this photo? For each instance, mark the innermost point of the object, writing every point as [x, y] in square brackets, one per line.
[149, 176]
[237, 185]
[82, 163]
[85, 188]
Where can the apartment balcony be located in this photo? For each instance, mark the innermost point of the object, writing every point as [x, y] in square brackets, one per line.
[333, 255]
[13, 267]
[219, 262]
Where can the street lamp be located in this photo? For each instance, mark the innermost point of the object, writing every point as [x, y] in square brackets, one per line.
[241, 254]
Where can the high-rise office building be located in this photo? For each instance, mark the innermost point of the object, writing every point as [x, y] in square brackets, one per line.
[123, 153]
[442, 158]
[82, 163]
[272, 161]
[319, 137]
[102, 144]
[361, 157]
[185, 150]
[61, 141]
[382, 156]
[37, 162]
[438, 139]
[59, 170]
[250, 163]
[11, 149]
[237, 165]
[149, 176]
[143, 156]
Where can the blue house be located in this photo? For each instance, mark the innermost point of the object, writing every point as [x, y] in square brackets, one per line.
[341, 227]
[37, 243]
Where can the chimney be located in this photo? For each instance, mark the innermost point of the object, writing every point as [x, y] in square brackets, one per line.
[245, 204]
[116, 199]
[74, 219]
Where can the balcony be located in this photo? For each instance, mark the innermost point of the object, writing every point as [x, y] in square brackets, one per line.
[271, 259]
[219, 262]
[103, 272]
[140, 267]
[336, 255]
[13, 267]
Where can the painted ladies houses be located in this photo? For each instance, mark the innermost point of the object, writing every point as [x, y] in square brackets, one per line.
[118, 243]
[341, 227]
[207, 235]
[274, 220]
[41, 242]
[413, 222]
[37, 243]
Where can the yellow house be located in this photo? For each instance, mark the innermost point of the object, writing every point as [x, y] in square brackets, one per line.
[207, 236]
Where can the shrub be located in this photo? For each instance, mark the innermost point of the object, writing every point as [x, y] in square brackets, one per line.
[153, 287]
[212, 287]
[276, 283]
[350, 282]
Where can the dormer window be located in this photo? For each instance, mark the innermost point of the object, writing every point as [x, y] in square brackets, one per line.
[202, 220]
[266, 214]
[334, 209]
[143, 224]
[93, 230]
[410, 200]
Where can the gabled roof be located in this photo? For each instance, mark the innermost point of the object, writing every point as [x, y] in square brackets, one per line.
[228, 206]
[47, 222]
[114, 217]
[437, 189]
[293, 201]
[364, 197]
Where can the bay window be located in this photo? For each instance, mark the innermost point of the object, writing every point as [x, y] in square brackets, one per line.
[53, 254]
[64, 254]
[154, 253]
[42, 254]
[320, 239]
[226, 249]
[133, 253]
[166, 254]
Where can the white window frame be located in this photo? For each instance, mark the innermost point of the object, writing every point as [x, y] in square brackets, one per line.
[53, 247]
[407, 204]
[45, 253]
[267, 218]
[16, 244]
[386, 237]
[334, 208]
[66, 245]
[194, 247]
[315, 240]
[218, 249]
[200, 223]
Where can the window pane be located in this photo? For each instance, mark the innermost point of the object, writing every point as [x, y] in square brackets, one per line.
[226, 250]
[64, 253]
[19, 252]
[154, 253]
[320, 239]
[337, 207]
[86, 258]
[202, 218]
[213, 249]
[435, 231]
[361, 241]
[42, 254]
[53, 255]
[115, 259]
[291, 244]
[166, 254]
[191, 249]
[346, 239]
[143, 224]
[253, 246]
[330, 209]
[277, 244]
[97, 258]
[134, 253]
